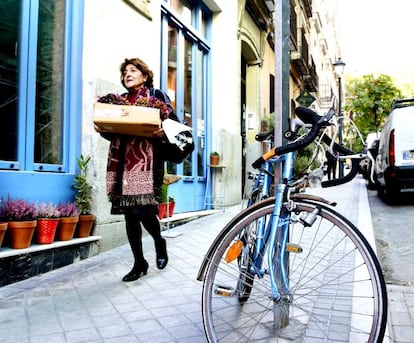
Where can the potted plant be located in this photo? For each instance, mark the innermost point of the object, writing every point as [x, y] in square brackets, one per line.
[47, 222]
[3, 223]
[162, 206]
[21, 217]
[69, 217]
[167, 203]
[267, 122]
[214, 158]
[83, 198]
[170, 206]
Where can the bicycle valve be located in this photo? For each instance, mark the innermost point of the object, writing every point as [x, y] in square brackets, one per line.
[308, 219]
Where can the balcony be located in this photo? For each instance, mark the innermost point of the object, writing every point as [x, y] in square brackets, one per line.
[259, 13]
[300, 57]
[311, 81]
[307, 5]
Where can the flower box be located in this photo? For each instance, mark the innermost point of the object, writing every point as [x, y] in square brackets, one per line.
[129, 120]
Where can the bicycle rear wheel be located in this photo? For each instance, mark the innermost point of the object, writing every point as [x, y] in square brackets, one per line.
[336, 287]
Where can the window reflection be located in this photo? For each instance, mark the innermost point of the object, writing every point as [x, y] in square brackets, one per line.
[184, 9]
[49, 83]
[200, 117]
[9, 20]
[172, 79]
[186, 84]
[188, 78]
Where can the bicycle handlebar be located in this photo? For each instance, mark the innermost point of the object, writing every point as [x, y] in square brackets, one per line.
[307, 116]
[343, 151]
[310, 117]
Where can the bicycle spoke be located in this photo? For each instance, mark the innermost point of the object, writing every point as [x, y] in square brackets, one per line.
[335, 288]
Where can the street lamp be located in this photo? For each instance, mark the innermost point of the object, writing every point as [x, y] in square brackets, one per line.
[339, 66]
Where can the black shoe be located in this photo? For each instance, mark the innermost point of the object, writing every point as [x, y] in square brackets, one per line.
[162, 263]
[162, 257]
[136, 272]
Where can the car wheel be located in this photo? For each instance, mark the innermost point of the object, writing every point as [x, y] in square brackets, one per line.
[391, 193]
[380, 191]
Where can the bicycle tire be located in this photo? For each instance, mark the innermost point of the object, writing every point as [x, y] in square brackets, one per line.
[246, 278]
[337, 289]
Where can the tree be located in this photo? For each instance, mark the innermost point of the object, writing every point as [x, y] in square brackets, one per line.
[369, 99]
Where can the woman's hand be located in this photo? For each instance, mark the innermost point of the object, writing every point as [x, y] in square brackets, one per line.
[158, 133]
[98, 129]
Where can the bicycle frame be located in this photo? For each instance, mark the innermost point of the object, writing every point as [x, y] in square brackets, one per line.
[263, 181]
[273, 235]
[280, 295]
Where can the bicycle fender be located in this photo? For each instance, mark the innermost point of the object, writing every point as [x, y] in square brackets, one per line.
[310, 197]
[219, 238]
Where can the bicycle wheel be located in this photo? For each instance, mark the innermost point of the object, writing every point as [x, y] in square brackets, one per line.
[246, 277]
[336, 288]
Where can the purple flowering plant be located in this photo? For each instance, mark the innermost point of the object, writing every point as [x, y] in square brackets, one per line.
[144, 101]
[17, 209]
[47, 210]
[68, 210]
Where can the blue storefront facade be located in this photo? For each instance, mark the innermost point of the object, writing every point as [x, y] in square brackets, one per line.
[214, 58]
[58, 56]
[41, 98]
[42, 95]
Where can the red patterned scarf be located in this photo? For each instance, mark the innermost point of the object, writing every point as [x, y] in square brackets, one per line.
[130, 171]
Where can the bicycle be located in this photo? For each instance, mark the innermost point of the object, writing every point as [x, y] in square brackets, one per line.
[289, 268]
[262, 181]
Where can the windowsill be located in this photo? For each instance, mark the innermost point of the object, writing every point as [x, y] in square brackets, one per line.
[7, 252]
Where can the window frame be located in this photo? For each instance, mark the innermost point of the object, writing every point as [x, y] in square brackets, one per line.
[71, 93]
[23, 177]
[193, 34]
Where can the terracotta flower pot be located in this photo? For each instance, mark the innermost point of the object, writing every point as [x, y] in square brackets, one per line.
[46, 230]
[21, 233]
[214, 160]
[3, 228]
[162, 210]
[171, 206]
[66, 228]
[84, 227]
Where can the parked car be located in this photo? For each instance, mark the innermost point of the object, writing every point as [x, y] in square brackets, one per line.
[367, 164]
[394, 165]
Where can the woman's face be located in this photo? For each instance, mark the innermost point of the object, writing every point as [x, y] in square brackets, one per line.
[133, 78]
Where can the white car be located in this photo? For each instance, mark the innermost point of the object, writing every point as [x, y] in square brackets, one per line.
[394, 165]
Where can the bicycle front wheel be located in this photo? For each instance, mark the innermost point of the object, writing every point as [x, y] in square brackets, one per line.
[335, 287]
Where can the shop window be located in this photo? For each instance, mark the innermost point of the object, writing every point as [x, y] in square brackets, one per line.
[35, 80]
[186, 54]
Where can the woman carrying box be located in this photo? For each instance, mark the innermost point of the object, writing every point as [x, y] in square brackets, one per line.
[135, 170]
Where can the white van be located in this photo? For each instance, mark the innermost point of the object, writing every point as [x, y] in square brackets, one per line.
[394, 165]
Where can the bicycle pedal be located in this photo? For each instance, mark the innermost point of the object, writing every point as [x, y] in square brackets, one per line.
[292, 247]
[224, 291]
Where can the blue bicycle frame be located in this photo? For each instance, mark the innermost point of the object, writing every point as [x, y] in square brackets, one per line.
[276, 230]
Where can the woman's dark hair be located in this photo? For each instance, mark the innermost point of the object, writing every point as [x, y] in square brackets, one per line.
[142, 66]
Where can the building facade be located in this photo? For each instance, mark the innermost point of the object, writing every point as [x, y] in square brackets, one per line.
[214, 58]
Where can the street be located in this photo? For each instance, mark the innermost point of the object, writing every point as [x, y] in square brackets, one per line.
[394, 235]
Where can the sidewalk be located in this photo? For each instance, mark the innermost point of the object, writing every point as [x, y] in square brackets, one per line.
[88, 302]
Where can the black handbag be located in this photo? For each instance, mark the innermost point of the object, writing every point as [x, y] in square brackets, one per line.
[177, 153]
[174, 152]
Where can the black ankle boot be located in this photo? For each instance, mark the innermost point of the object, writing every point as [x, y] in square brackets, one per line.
[162, 256]
[136, 272]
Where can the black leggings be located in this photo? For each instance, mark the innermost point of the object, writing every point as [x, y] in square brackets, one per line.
[134, 233]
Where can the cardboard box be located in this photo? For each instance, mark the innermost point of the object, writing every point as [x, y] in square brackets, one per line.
[130, 120]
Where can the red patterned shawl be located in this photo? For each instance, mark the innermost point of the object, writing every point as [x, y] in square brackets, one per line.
[130, 169]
